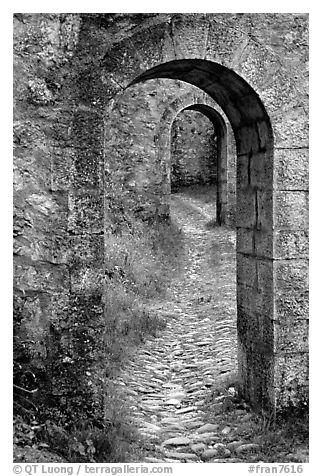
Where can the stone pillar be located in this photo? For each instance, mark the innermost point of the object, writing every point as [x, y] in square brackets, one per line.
[255, 266]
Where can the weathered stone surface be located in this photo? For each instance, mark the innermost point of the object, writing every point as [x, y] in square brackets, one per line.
[292, 289]
[193, 150]
[177, 441]
[291, 210]
[291, 335]
[246, 209]
[198, 447]
[208, 427]
[292, 169]
[291, 128]
[81, 141]
[182, 456]
[189, 34]
[209, 454]
[247, 448]
[291, 244]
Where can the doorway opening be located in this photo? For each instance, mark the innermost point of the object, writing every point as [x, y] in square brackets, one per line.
[254, 216]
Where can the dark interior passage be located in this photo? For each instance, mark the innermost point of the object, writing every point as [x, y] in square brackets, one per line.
[193, 150]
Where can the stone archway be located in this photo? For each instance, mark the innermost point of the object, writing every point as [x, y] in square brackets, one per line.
[213, 51]
[226, 166]
[254, 217]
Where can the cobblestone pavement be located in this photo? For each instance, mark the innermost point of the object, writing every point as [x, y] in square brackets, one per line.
[169, 378]
[173, 383]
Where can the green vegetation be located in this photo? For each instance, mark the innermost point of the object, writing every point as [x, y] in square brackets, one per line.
[280, 438]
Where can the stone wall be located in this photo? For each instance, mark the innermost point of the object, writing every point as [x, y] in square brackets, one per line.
[58, 192]
[193, 150]
[80, 80]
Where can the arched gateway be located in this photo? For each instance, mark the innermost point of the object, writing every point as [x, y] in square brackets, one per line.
[264, 360]
[254, 215]
[254, 66]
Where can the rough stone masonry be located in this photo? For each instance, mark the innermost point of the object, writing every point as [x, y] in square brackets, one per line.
[84, 82]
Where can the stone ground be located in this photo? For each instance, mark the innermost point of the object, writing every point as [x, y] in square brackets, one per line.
[169, 379]
[179, 387]
[173, 385]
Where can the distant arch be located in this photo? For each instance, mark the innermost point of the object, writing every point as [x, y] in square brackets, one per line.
[226, 163]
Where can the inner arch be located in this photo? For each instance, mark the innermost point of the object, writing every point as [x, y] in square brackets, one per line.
[193, 150]
[220, 158]
[234, 95]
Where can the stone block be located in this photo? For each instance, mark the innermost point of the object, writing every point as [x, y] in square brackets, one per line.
[40, 226]
[255, 302]
[31, 311]
[291, 289]
[92, 85]
[256, 360]
[111, 87]
[291, 244]
[261, 171]
[242, 169]
[86, 308]
[32, 168]
[291, 376]
[154, 44]
[291, 128]
[291, 335]
[56, 126]
[123, 64]
[87, 249]
[265, 276]
[246, 208]
[245, 241]
[86, 212]
[41, 277]
[87, 129]
[264, 210]
[247, 140]
[253, 109]
[291, 169]
[189, 34]
[291, 210]
[246, 270]
[225, 41]
[87, 169]
[62, 162]
[263, 243]
[86, 280]
[236, 120]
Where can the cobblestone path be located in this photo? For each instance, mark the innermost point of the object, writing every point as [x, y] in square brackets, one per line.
[169, 378]
[173, 384]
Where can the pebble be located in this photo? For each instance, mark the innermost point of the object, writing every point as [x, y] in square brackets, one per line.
[249, 447]
[186, 410]
[173, 401]
[182, 456]
[226, 430]
[190, 425]
[181, 440]
[198, 447]
[208, 454]
[233, 445]
[222, 450]
[208, 427]
[205, 438]
[174, 427]
[151, 459]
